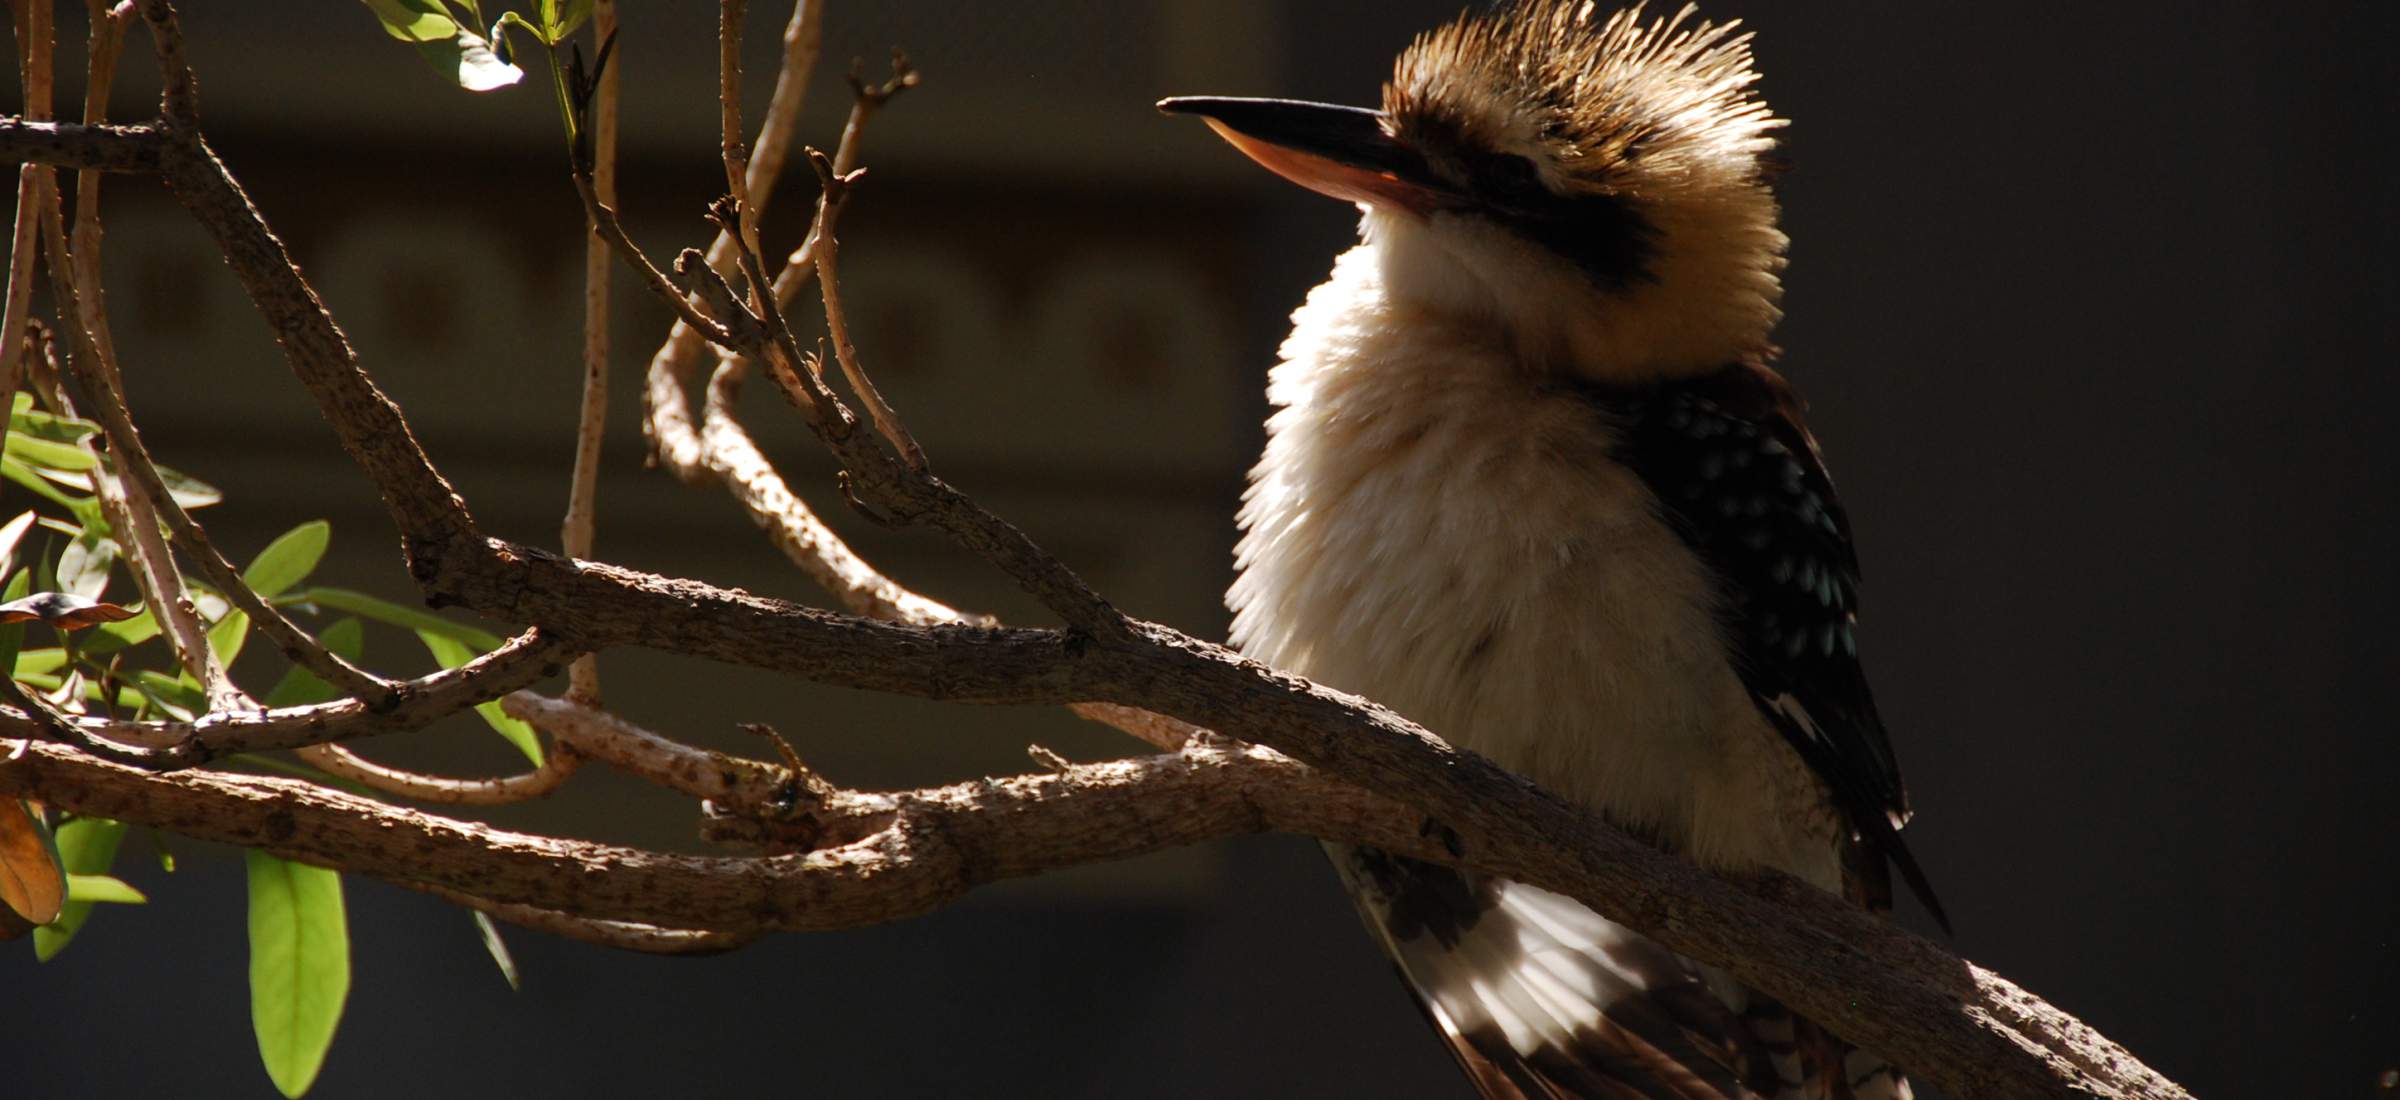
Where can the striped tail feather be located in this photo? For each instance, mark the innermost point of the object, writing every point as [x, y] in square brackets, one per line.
[1543, 999]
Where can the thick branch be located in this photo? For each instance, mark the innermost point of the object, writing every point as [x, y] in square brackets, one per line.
[1968, 1030]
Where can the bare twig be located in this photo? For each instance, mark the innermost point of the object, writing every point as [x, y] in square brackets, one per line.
[146, 491]
[43, 721]
[341, 761]
[667, 423]
[732, 784]
[730, 149]
[179, 100]
[131, 511]
[36, 43]
[837, 326]
[576, 531]
[604, 222]
[524, 660]
[648, 939]
[794, 527]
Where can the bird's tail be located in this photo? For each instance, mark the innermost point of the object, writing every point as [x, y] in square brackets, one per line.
[1541, 998]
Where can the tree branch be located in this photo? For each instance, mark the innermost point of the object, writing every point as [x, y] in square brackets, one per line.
[1335, 766]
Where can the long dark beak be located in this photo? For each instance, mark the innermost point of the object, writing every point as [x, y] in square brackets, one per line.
[1332, 150]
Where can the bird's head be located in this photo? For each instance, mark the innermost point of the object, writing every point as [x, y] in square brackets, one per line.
[1592, 186]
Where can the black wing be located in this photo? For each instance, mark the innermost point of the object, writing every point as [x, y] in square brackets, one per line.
[1736, 473]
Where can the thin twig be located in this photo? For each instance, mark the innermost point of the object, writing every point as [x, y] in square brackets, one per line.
[730, 150]
[179, 101]
[795, 529]
[667, 424]
[733, 784]
[36, 43]
[66, 729]
[577, 530]
[519, 663]
[837, 326]
[131, 511]
[648, 939]
[604, 222]
[501, 790]
[103, 382]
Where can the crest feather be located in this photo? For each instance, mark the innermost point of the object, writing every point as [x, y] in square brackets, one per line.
[1604, 99]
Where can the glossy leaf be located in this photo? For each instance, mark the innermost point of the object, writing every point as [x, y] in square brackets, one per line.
[84, 566]
[12, 635]
[299, 966]
[225, 639]
[111, 637]
[498, 948]
[451, 653]
[179, 693]
[189, 491]
[289, 559]
[86, 846]
[17, 471]
[31, 883]
[560, 18]
[414, 21]
[24, 419]
[87, 889]
[385, 611]
[299, 687]
[35, 451]
[458, 51]
[10, 536]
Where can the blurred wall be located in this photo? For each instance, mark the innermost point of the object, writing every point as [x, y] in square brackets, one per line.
[2094, 316]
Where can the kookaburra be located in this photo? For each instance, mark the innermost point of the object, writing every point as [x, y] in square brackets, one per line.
[1531, 481]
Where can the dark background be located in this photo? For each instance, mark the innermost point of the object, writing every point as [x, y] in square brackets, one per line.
[2092, 310]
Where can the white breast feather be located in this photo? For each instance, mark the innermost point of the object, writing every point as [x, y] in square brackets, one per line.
[1433, 528]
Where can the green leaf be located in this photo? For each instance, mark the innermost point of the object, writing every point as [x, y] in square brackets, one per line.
[15, 469]
[12, 635]
[35, 451]
[225, 639]
[9, 537]
[451, 653]
[189, 491]
[299, 966]
[86, 846]
[498, 947]
[26, 420]
[102, 888]
[385, 611]
[83, 567]
[560, 19]
[289, 559]
[416, 21]
[180, 693]
[111, 637]
[300, 687]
